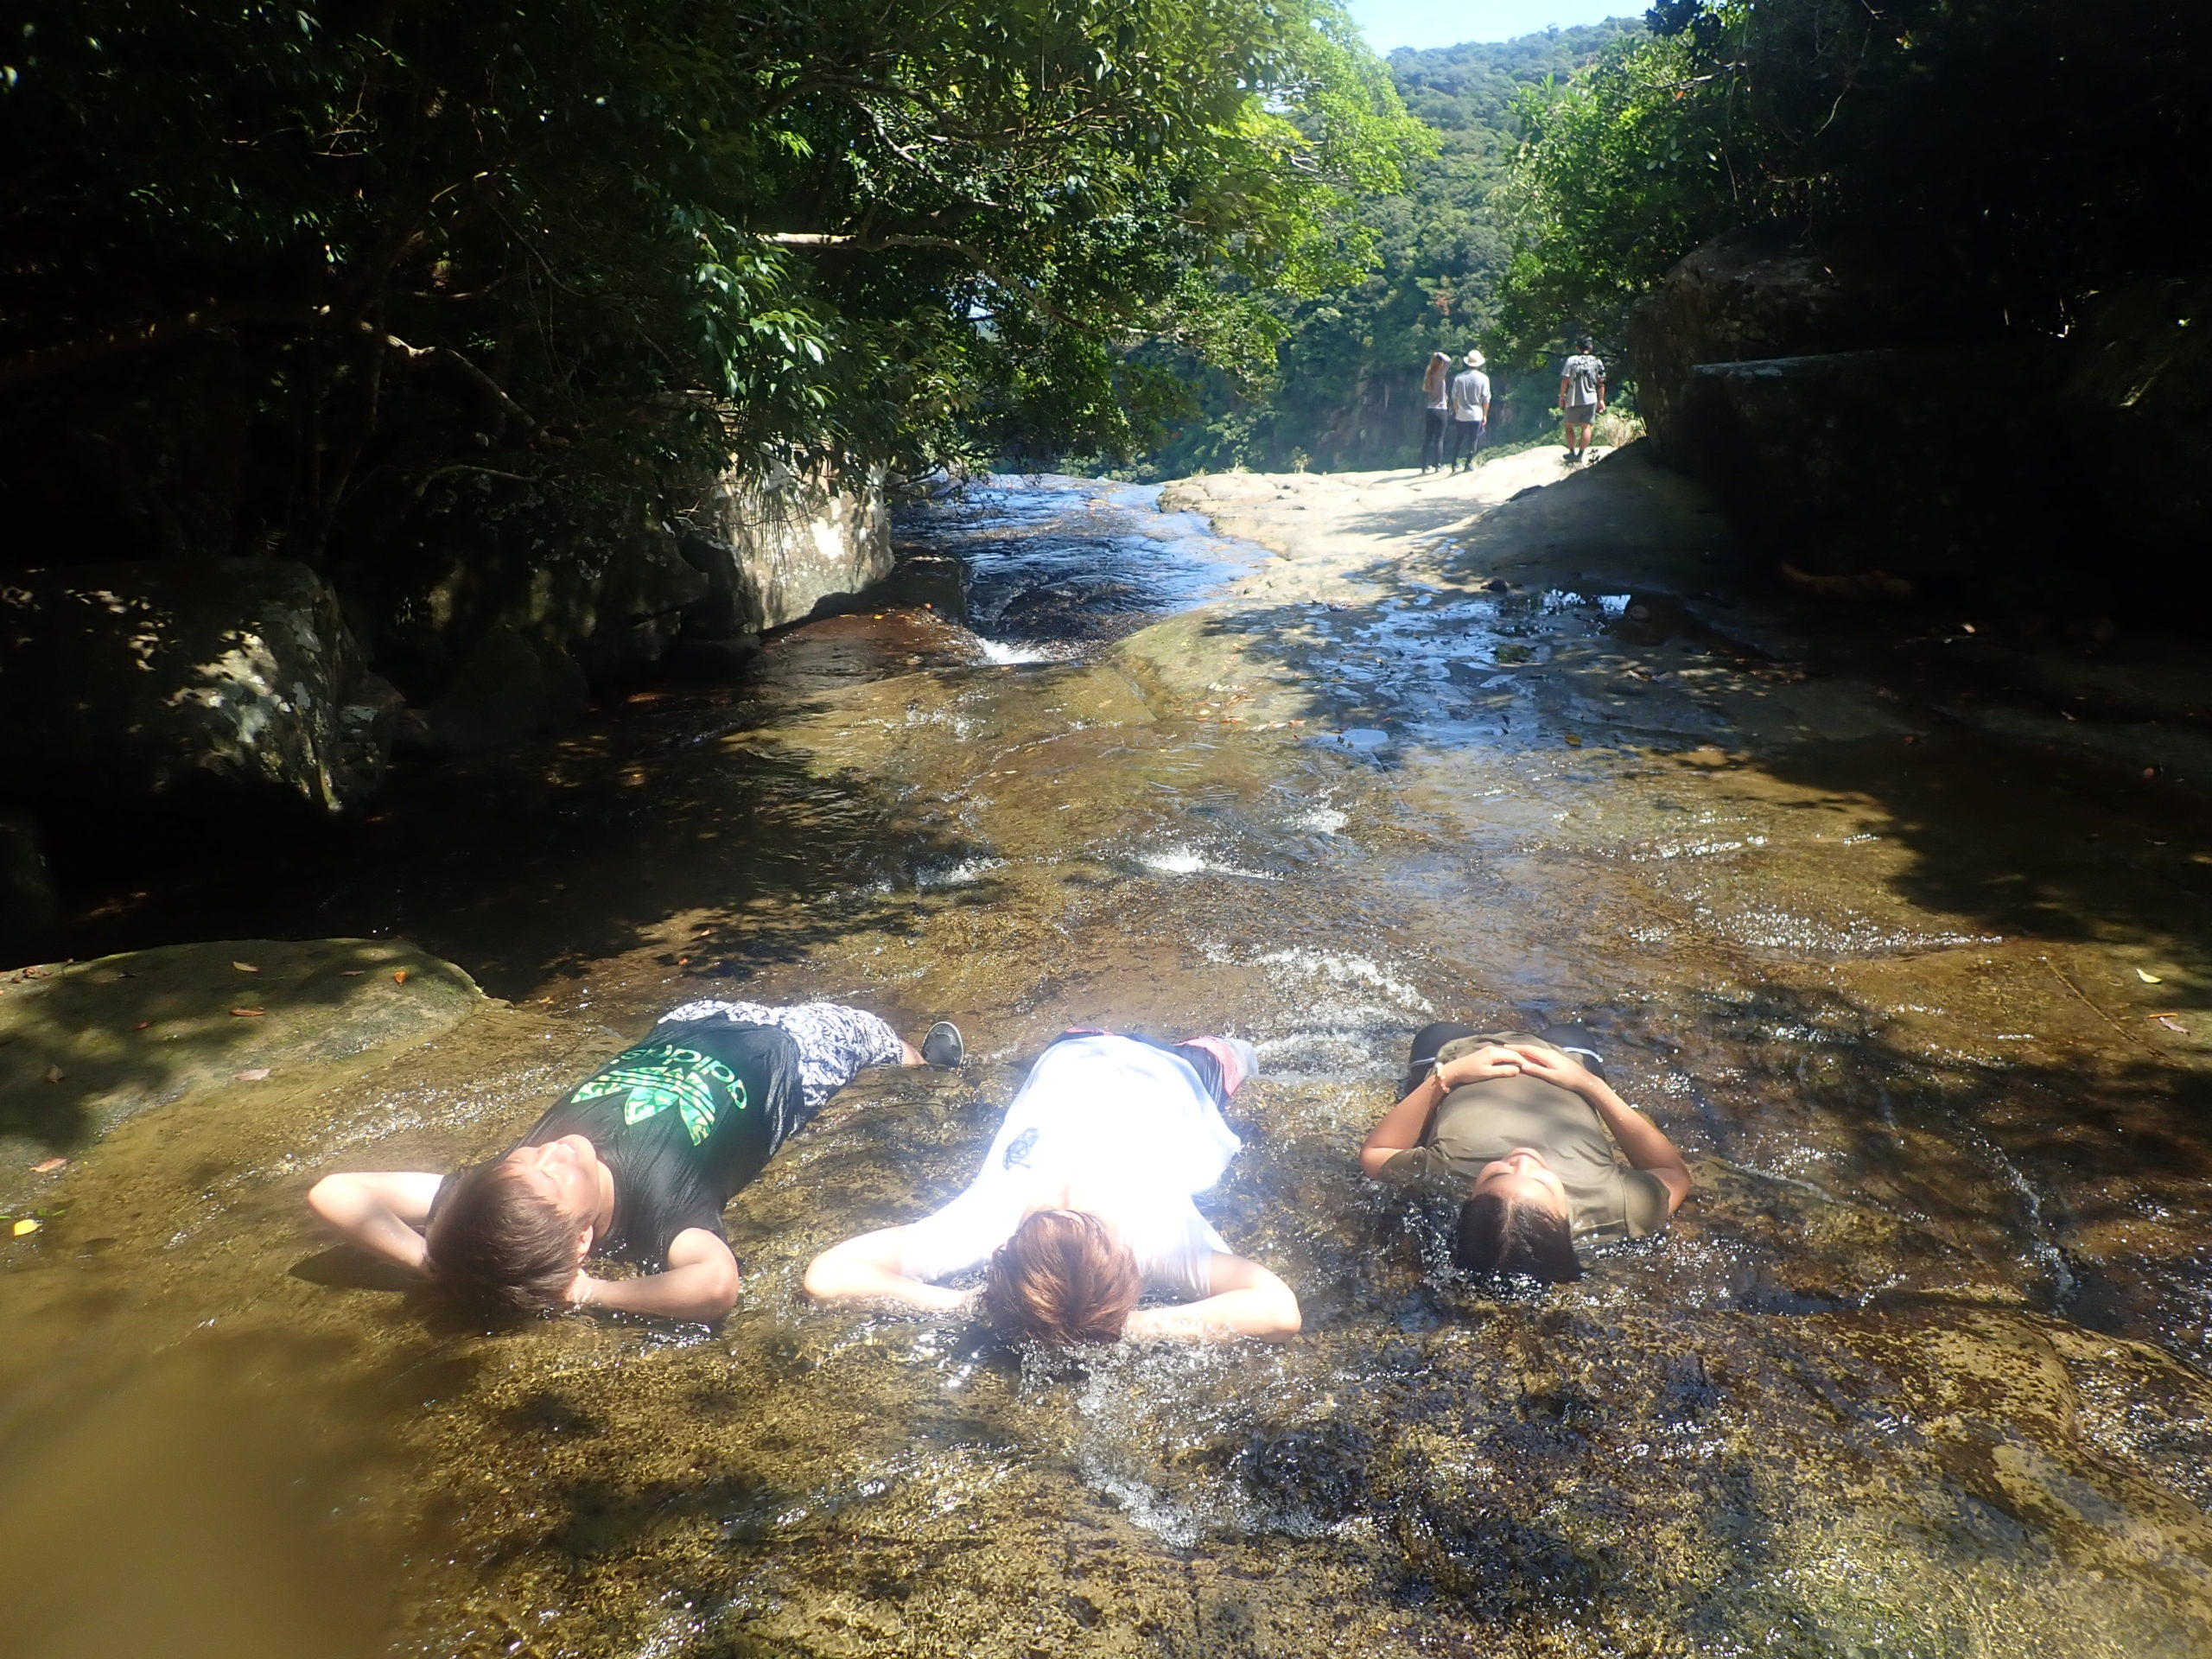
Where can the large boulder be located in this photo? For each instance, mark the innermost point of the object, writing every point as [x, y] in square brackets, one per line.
[28, 905]
[590, 580]
[2137, 405]
[125, 680]
[1922, 463]
[511, 688]
[1763, 293]
[775, 547]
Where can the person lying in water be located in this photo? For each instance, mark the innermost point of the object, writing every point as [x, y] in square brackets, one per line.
[1520, 1129]
[637, 1159]
[1084, 1203]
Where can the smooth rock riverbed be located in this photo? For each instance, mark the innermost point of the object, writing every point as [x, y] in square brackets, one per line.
[1921, 1370]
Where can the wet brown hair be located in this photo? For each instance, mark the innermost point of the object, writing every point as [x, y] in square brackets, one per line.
[1062, 1278]
[1498, 1236]
[499, 1248]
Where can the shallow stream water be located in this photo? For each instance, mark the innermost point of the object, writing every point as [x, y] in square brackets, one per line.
[1923, 1369]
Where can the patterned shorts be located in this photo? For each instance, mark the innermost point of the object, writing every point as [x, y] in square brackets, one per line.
[833, 1041]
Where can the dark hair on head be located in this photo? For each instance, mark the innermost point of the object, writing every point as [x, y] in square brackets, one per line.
[498, 1247]
[1496, 1236]
[1062, 1278]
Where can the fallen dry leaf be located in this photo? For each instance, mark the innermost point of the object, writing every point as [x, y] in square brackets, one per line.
[26, 1227]
[53, 1074]
[47, 1166]
[246, 1013]
[2148, 979]
[254, 1076]
[399, 978]
[2172, 1024]
[245, 967]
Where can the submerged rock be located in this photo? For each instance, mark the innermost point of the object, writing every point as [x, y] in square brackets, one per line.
[122, 680]
[1763, 293]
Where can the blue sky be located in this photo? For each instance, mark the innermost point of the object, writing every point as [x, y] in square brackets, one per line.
[1391, 23]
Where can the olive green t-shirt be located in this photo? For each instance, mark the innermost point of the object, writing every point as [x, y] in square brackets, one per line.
[1479, 1121]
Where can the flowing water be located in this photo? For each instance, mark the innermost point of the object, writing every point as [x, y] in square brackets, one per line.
[1923, 1369]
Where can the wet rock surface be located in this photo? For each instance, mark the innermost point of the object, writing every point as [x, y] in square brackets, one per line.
[1921, 1370]
[86, 1044]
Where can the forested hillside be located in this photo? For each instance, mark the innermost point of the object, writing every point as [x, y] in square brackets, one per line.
[1351, 358]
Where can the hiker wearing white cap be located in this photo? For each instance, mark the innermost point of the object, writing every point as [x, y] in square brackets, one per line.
[1470, 411]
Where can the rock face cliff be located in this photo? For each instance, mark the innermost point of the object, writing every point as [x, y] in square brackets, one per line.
[1853, 416]
[264, 683]
[126, 680]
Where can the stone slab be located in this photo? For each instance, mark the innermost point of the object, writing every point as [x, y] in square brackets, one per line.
[86, 1045]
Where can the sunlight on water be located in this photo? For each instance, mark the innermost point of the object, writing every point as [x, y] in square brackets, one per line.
[1925, 1366]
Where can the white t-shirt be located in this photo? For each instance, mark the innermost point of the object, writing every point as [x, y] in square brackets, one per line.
[1132, 1129]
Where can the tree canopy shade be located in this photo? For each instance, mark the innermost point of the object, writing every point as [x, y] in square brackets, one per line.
[275, 274]
[2015, 154]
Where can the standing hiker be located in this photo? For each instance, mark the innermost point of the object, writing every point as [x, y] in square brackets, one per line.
[1470, 411]
[1582, 396]
[1436, 410]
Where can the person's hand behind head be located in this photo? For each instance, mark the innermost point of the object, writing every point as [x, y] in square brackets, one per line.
[1490, 1060]
[1552, 1066]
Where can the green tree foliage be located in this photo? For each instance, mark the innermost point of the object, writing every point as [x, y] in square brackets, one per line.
[1620, 171]
[1341, 390]
[2011, 154]
[279, 275]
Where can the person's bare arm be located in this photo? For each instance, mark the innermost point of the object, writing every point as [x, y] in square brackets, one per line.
[867, 1270]
[1601, 394]
[1247, 1300]
[1644, 1143]
[1401, 1125]
[1562, 393]
[381, 1210]
[701, 1283]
